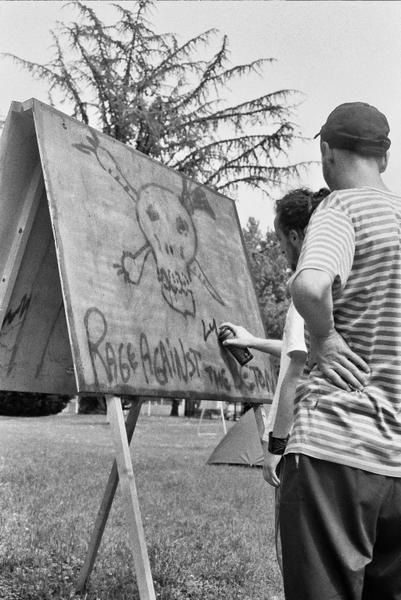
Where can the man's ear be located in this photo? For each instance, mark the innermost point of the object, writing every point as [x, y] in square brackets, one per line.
[383, 162]
[325, 150]
[294, 236]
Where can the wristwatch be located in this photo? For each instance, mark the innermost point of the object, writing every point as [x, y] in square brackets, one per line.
[277, 445]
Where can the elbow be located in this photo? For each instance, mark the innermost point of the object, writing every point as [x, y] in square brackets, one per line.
[311, 286]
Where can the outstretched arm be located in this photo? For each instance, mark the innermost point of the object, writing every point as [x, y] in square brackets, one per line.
[243, 338]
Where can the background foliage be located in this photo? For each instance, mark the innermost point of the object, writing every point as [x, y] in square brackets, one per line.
[31, 405]
[270, 272]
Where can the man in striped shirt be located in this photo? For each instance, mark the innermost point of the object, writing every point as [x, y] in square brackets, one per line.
[340, 508]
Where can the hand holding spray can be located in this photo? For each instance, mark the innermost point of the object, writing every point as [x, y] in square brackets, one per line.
[242, 355]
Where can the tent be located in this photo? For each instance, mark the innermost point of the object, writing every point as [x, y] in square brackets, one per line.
[241, 444]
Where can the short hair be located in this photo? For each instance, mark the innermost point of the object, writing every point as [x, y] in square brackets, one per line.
[295, 208]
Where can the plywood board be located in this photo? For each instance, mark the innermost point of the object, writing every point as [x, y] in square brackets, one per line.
[35, 353]
[149, 263]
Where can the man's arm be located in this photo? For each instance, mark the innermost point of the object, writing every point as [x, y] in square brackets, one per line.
[284, 416]
[244, 338]
[285, 408]
[311, 292]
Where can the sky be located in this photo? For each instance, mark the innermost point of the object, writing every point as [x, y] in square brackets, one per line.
[331, 52]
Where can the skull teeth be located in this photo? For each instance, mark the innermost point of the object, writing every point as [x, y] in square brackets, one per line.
[175, 288]
[175, 282]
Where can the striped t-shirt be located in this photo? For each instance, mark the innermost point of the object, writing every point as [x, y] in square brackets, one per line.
[355, 236]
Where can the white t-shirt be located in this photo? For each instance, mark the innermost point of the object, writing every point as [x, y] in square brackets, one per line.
[293, 341]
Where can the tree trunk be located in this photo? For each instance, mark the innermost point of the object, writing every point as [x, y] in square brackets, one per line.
[174, 408]
[190, 407]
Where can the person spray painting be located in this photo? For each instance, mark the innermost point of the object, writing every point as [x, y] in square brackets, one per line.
[293, 212]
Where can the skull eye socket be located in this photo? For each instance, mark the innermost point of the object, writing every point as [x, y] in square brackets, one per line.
[152, 213]
[182, 226]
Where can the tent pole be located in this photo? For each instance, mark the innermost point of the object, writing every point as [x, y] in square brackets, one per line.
[223, 420]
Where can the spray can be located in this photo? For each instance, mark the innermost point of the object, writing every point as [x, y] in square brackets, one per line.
[242, 355]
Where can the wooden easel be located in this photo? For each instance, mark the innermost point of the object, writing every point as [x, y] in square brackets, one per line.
[121, 432]
[58, 299]
[122, 471]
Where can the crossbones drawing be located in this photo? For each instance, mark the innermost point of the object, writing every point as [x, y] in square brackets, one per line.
[170, 237]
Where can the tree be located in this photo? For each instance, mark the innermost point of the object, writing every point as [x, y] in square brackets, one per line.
[270, 273]
[154, 93]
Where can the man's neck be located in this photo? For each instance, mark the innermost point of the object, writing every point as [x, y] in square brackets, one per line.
[356, 172]
[360, 182]
[358, 178]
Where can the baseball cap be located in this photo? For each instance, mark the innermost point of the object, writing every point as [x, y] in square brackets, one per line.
[357, 126]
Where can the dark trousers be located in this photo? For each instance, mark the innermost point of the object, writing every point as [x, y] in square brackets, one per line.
[340, 532]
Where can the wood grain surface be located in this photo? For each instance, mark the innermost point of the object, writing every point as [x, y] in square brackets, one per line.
[146, 264]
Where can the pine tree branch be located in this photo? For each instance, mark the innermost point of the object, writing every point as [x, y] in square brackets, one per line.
[169, 65]
[227, 144]
[159, 96]
[96, 75]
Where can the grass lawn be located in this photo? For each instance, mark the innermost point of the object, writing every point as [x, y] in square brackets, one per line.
[209, 529]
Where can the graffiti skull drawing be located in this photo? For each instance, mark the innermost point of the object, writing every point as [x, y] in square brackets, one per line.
[165, 220]
[171, 234]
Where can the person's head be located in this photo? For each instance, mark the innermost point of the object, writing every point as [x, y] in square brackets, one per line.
[354, 143]
[293, 212]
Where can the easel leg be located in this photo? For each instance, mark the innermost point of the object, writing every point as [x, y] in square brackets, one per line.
[130, 497]
[107, 502]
